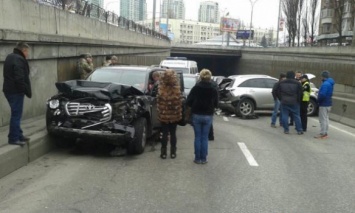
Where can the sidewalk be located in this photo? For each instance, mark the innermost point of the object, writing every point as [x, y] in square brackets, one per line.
[13, 157]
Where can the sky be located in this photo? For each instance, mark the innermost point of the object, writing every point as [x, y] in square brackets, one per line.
[264, 16]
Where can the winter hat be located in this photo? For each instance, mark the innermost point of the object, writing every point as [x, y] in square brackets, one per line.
[325, 74]
[290, 75]
[304, 76]
[282, 75]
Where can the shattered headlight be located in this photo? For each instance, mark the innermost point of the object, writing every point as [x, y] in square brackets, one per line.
[53, 104]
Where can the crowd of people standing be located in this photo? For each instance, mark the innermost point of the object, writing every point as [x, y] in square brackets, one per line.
[291, 97]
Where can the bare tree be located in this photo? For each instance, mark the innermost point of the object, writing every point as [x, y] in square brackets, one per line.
[339, 9]
[299, 14]
[313, 19]
[290, 9]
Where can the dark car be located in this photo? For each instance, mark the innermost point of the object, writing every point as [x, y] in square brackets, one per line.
[113, 105]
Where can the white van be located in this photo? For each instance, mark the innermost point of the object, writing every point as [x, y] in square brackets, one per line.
[181, 64]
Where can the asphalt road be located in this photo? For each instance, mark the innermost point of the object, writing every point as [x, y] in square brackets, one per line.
[252, 168]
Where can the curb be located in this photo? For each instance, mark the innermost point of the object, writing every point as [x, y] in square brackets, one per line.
[14, 157]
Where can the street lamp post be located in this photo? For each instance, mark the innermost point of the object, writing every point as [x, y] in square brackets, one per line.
[251, 17]
[278, 26]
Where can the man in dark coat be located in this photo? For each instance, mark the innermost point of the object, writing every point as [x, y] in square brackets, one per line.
[289, 92]
[16, 85]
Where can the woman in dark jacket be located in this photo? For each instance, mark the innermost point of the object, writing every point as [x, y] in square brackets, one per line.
[169, 110]
[203, 99]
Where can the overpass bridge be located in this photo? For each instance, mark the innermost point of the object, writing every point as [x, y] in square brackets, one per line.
[58, 37]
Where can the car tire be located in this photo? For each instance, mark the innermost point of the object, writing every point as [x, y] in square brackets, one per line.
[312, 108]
[137, 145]
[245, 107]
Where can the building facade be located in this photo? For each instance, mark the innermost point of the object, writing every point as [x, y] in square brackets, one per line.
[175, 8]
[329, 26]
[209, 12]
[135, 10]
[187, 31]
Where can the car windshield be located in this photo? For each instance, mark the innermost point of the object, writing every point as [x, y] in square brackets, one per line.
[135, 78]
[183, 70]
[189, 82]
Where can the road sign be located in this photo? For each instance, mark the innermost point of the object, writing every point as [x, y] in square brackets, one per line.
[244, 34]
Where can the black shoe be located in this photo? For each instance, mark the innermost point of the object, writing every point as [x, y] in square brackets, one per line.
[204, 162]
[290, 124]
[197, 161]
[24, 139]
[163, 153]
[20, 143]
[286, 132]
[300, 133]
[211, 138]
[173, 152]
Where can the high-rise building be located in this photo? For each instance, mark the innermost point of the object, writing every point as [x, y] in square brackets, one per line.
[99, 3]
[175, 8]
[135, 10]
[208, 12]
[329, 22]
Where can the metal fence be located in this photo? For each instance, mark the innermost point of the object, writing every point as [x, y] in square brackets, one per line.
[83, 7]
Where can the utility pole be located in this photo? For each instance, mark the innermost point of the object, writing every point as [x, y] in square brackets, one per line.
[251, 18]
[154, 8]
[278, 25]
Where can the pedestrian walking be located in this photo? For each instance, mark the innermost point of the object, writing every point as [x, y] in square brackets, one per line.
[16, 85]
[169, 102]
[85, 65]
[277, 103]
[306, 89]
[325, 94]
[203, 99]
[289, 92]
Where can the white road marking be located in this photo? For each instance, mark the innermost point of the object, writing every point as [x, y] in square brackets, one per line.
[225, 118]
[247, 154]
[344, 131]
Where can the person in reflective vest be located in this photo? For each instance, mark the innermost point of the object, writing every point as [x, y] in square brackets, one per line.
[306, 88]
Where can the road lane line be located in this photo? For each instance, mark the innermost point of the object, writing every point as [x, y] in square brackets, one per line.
[248, 155]
[344, 131]
[225, 118]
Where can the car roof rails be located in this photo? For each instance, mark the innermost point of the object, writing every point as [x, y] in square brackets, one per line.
[176, 58]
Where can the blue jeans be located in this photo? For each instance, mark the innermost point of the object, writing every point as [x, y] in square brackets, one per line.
[16, 105]
[201, 124]
[274, 113]
[293, 110]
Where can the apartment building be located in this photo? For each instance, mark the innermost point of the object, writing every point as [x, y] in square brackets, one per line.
[135, 10]
[188, 31]
[209, 12]
[175, 8]
[328, 24]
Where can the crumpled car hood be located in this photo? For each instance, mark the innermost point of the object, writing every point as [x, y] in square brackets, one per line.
[100, 90]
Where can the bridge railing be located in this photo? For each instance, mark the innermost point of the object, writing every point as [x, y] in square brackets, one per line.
[83, 7]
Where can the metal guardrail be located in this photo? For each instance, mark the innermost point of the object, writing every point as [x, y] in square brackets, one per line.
[83, 7]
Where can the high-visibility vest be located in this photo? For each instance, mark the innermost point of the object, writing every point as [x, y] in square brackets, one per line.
[306, 94]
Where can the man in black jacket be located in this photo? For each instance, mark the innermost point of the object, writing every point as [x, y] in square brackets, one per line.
[289, 92]
[16, 85]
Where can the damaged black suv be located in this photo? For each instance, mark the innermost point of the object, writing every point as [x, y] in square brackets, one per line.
[113, 105]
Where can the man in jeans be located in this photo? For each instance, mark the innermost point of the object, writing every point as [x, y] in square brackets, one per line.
[16, 85]
[276, 103]
[289, 92]
[325, 103]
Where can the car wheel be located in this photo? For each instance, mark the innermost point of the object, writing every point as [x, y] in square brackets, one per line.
[312, 108]
[137, 145]
[245, 107]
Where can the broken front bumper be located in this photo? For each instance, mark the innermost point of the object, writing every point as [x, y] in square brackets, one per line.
[116, 138]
